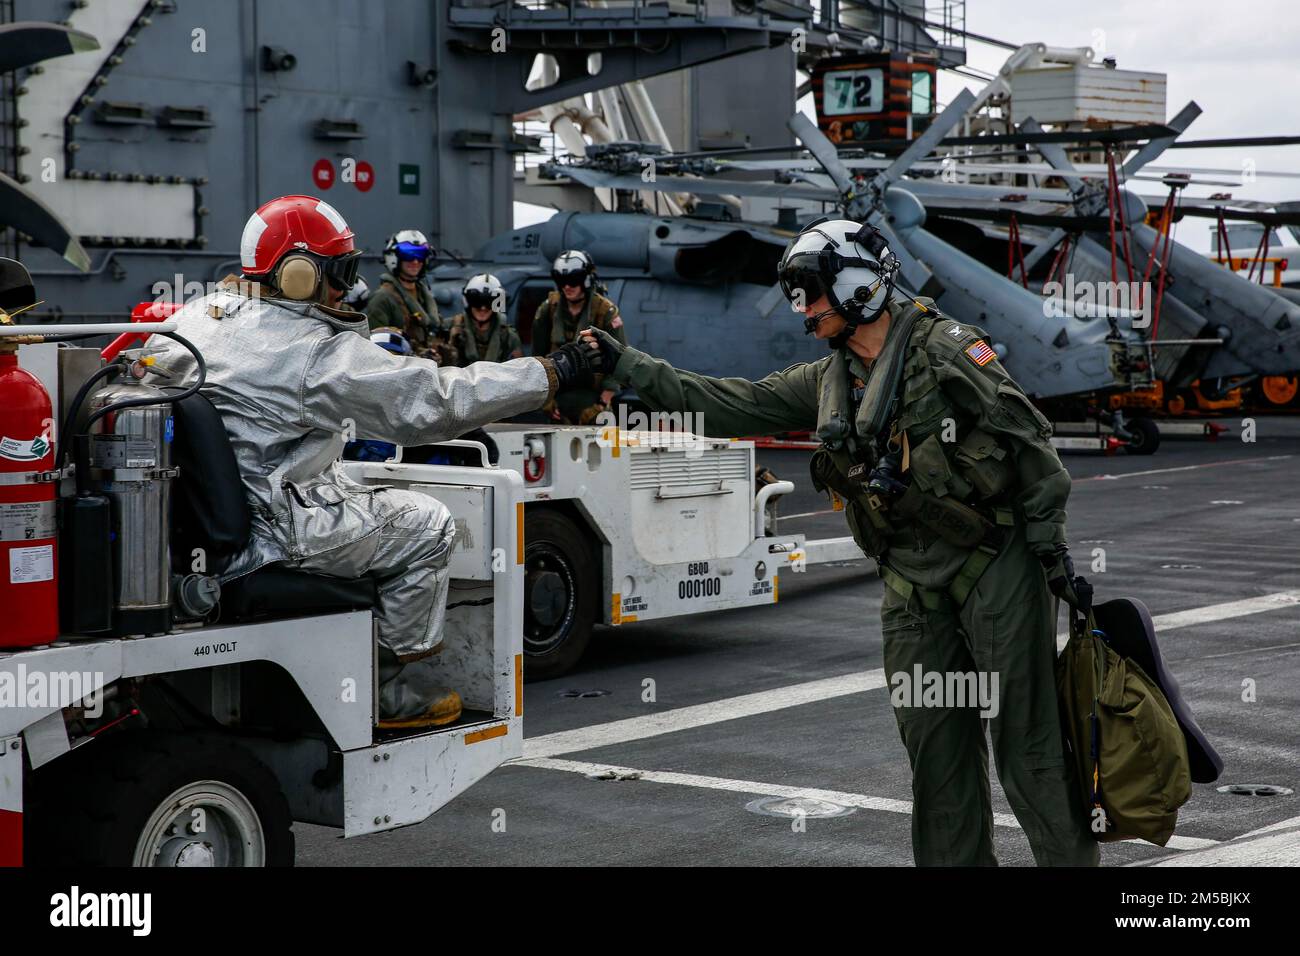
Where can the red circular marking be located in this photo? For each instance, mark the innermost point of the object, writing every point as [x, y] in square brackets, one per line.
[365, 176]
[322, 174]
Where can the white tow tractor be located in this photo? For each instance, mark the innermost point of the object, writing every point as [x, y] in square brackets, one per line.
[625, 526]
[145, 718]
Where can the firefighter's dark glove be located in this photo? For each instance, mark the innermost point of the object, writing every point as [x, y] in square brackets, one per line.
[575, 360]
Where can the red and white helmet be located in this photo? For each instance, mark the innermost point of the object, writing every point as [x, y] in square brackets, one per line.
[292, 224]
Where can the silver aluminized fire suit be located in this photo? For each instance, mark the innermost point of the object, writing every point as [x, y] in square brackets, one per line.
[291, 381]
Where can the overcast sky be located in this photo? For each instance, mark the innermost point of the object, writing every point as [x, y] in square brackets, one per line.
[1239, 61]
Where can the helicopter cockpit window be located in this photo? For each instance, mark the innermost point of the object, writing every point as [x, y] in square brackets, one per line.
[525, 304]
[922, 93]
[737, 256]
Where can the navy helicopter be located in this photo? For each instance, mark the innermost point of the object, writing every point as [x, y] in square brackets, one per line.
[1218, 325]
[684, 281]
[679, 281]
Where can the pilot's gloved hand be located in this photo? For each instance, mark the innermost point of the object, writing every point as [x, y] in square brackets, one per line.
[611, 349]
[574, 360]
[1064, 583]
[886, 479]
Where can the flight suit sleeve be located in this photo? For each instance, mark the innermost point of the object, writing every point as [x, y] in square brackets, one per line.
[408, 400]
[542, 330]
[514, 346]
[728, 407]
[382, 312]
[1003, 409]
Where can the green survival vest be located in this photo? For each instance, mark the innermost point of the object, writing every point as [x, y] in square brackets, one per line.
[956, 489]
[598, 308]
[464, 335]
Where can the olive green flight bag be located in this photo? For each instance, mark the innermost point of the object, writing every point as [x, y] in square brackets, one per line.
[1126, 744]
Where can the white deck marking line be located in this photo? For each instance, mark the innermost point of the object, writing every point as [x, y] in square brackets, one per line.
[1267, 847]
[1167, 471]
[1229, 609]
[1272, 827]
[762, 702]
[701, 715]
[808, 514]
[1214, 612]
[859, 800]
[1248, 650]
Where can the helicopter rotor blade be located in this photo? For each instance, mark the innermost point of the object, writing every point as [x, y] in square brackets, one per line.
[822, 149]
[599, 179]
[925, 144]
[26, 213]
[1055, 156]
[25, 43]
[915, 273]
[1155, 147]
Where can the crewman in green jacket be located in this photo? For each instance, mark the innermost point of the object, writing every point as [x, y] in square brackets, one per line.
[575, 304]
[950, 482]
[404, 302]
[481, 333]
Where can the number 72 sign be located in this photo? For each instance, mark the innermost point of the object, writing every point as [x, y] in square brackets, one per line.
[853, 91]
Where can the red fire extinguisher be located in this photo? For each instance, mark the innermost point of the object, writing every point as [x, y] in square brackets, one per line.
[29, 597]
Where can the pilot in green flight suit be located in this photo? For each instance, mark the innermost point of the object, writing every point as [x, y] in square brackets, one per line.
[481, 333]
[951, 483]
[405, 303]
[576, 304]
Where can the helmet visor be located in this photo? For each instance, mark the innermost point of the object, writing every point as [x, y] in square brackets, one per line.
[575, 278]
[801, 280]
[479, 298]
[412, 250]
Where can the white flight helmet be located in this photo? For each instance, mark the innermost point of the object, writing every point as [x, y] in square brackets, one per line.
[484, 290]
[407, 244]
[358, 296]
[849, 263]
[573, 267]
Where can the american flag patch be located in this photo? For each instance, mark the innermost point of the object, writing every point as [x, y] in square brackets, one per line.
[981, 353]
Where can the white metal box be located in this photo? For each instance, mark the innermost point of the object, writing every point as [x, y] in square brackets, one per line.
[1087, 94]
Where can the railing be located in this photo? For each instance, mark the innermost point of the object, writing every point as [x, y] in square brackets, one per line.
[897, 25]
[517, 6]
[9, 144]
[699, 9]
[549, 142]
[1237, 263]
[949, 18]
